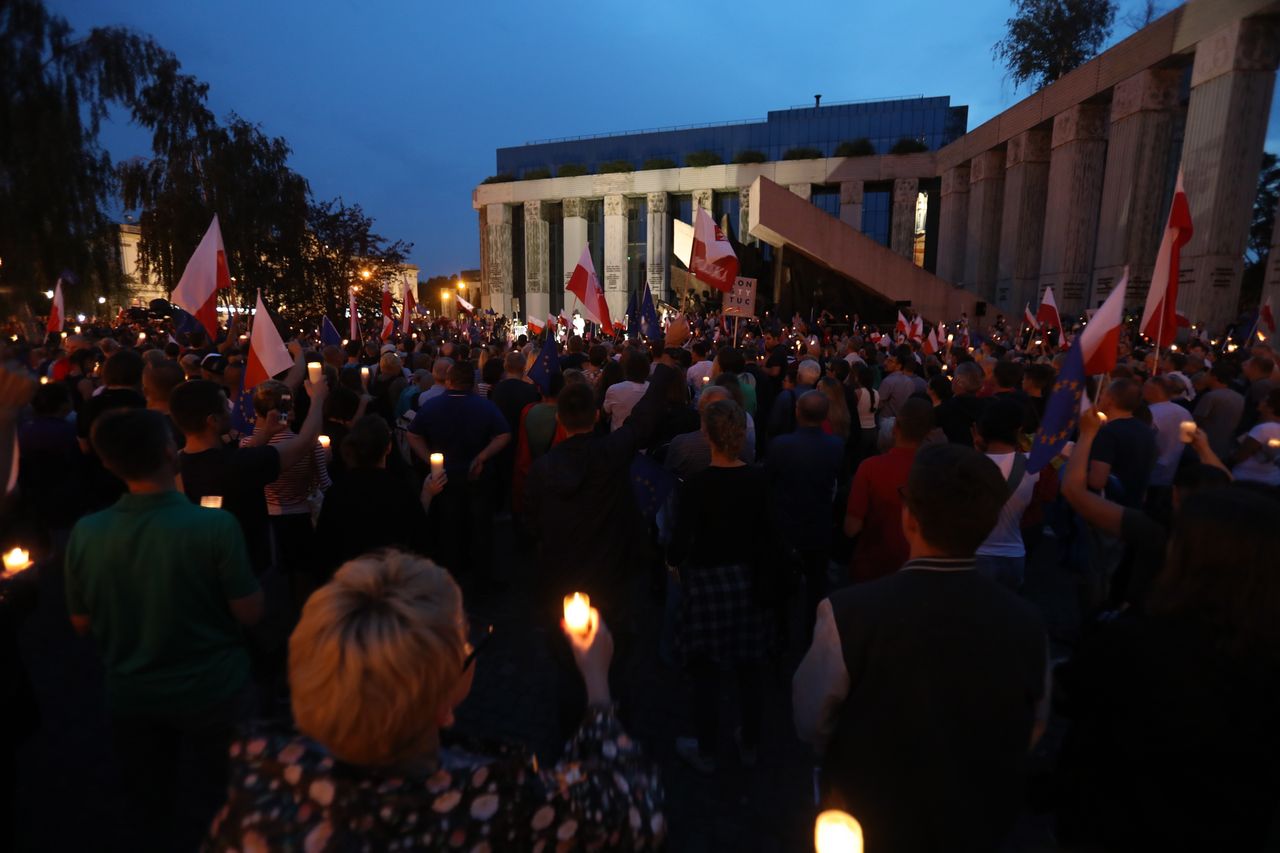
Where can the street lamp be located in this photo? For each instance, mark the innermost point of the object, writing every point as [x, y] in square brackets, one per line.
[462, 285]
[444, 301]
[102, 300]
[366, 275]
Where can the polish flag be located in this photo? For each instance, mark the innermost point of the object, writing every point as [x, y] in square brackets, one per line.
[902, 326]
[388, 324]
[917, 328]
[205, 275]
[57, 310]
[565, 319]
[408, 311]
[931, 342]
[465, 305]
[1029, 319]
[1159, 317]
[268, 355]
[534, 326]
[1100, 340]
[1266, 318]
[584, 285]
[355, 318]
[712, 260]
[1047, 313]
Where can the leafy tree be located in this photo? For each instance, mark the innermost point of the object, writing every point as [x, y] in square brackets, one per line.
[1262, 226]
[907, 145]
[56, 181]
[343, 251]
[535, 174]
[860, 147]
[571, 170]
[616, 166]
[750, 157]
[659, 163]
[801, 154]
[1047, 38]
[500, 178]
[703, 158]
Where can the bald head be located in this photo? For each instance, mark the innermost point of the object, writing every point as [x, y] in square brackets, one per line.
[812, 408]
[712, 393]
[808, 373]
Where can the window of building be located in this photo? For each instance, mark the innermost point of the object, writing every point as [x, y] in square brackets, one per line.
[517, 253]
[877, 209]
[555, 256]
[826, 197]
[728, 204]
[637, 243]
[595, 233]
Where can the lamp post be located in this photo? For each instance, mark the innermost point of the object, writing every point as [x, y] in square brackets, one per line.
[444, 302]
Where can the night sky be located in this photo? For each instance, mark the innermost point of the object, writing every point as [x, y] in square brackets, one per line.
[399, 106]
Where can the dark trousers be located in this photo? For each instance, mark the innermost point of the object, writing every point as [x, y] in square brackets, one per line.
[813, 563]
[706, 675]
[174, 768]
[461, 524]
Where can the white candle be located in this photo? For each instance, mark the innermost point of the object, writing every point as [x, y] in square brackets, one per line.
[16, 561]
[437, 463]
[44, 380]
[837, 832]
[324, 442]
[364, 376]
[1273, 443]
[211, 501]
[315, 371]
[577, 612]
[1187, 431]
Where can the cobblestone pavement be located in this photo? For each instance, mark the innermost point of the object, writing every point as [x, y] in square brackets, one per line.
[69, 794]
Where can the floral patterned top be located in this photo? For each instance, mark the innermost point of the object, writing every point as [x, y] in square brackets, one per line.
[288, 793]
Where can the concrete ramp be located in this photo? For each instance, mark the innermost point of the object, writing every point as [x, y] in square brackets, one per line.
[783, 219]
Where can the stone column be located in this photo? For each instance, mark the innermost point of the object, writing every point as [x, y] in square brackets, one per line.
[851, 204]
[614, 279]
[1134, 207]
[953, 223]
[1071, 213]
[537, 262]
[658, 248]
[575, 238]
[982, 232]
[902, 223]
[1231, 85]
[744, 218]
[805, 191]
[702, 199]
[496, 284]
[1026, 185]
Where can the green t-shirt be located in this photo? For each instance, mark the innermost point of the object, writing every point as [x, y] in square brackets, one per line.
[154, 574]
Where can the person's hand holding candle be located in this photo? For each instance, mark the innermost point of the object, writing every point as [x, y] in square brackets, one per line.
[592, 646]
[15, 561]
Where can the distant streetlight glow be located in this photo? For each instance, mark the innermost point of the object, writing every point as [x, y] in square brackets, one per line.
[366, 274]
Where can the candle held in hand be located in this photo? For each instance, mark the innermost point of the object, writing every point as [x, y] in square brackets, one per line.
[315, 371]
[577, 612]
[1187, 431]
[16, 560]
[837, 832]
[437, 463]
[324, 441]
[211, 501]
[364, 376]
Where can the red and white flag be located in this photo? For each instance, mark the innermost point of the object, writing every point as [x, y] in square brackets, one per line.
[388, 324]
[931, 343]
[1029, 319]
[1266, 318]
[565, 319]
[917, 328]
[268, 355]
[1159, 317]
[206, 273]
[902, 326]
[1047, 313]
[57, 310]
[712, 260]
[586, 286]
[465, 305]
[1100, 340]
[407, 316]
[535, 327]
[355, 318]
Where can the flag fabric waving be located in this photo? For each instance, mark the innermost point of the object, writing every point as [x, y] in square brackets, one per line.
[917, 328]
[406, 316]
[206, 273]
[267, 353]
[1028, 319]
[1062, 411]
[57, 311]
[388, 324]
[1159, 317]
[650, 326]
[534, 326]
[712, 260]
[586, 286]
[546, 365]
[329, 333]
[1047, 313]
[465, 305]
[902, 327]
[1266, 318]
[1100, 340]
[355, 318]
[931, 342]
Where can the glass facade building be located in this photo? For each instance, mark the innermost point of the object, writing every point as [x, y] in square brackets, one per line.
[931, 121]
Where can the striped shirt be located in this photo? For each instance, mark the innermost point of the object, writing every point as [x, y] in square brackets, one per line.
[289, 494]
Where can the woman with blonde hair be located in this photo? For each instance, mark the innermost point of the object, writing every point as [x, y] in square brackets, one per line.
[377, 666]
[838, 415]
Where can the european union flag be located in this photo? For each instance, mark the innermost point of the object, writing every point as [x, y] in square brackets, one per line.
[649, 324]
[1061, 413]
[242, 414]
[183, 322]
[328, 334]
[547, 365]
[651, 484]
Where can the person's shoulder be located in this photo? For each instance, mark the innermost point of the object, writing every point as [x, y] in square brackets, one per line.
[95, 522]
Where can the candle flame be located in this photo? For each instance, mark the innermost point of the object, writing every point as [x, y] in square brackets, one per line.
[16, 560]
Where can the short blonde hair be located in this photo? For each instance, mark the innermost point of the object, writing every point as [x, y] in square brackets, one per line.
[390, 364]
[375, 654]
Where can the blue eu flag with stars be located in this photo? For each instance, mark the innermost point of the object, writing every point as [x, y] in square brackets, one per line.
[328, 334]
[548, 364]
[649, 324]
[1061, 412]
[651, 484]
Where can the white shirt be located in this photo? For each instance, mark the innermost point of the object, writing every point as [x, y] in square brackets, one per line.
[867, 400]
[1005, 540]
[1167, 419]
[698, 370]
[620, 399]
[1261, 467]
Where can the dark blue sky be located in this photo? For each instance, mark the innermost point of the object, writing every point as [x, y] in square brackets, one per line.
[400, 105]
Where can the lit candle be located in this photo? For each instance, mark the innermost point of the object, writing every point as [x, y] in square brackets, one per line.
[437, 463]
[16, 561]
[324, 442]
[1187, 431]
[44, 380]
[1102, 416]
[706, 379]
[211, 501]
[315, 370]
[364, 376]
[77, 330]
[1273, 443]
[577, 612]
[837, 832]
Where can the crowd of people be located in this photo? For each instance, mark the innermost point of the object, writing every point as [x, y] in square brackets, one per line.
[275, 577]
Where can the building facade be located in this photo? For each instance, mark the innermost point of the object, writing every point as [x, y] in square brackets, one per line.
[1066, 188]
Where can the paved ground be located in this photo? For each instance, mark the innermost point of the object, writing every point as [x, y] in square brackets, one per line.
[68, 794]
